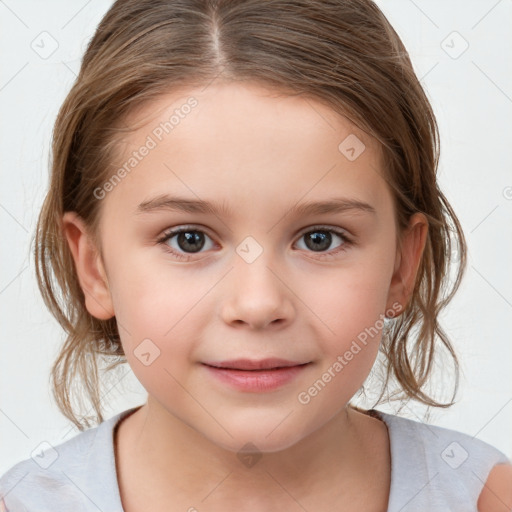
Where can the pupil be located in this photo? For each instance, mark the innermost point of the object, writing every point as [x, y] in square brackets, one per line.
[322, 240]
[188, 239]
[193, 241]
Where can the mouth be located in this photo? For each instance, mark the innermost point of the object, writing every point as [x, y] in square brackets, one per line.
[255, 376]
[255, 365]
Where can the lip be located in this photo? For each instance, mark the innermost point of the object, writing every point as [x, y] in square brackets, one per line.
[255, 375]
[254, 364]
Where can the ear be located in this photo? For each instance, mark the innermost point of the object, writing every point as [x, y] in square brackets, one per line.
[407, 262]
[89, 267]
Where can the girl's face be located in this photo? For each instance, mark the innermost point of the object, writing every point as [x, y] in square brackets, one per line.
[258, 272]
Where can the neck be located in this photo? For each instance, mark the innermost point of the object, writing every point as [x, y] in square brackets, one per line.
[186, 466]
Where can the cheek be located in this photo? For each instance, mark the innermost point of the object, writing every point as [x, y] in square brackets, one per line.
[158, 325]
[351, 309]
[347, 301]
[149, 297]
[160, 310]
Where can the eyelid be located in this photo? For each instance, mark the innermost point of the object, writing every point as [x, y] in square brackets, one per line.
[324, 227]
[347, 238]
[170, 233]
[197, 227]
[184, 227]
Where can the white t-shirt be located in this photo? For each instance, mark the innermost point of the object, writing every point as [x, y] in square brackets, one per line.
[432, 469]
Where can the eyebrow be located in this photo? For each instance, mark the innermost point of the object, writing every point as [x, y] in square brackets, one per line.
[173, 203]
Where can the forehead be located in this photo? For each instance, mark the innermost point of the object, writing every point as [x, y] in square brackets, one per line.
[244, 111]
[266, 145]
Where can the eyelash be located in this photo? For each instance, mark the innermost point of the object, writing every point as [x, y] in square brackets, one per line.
[347, 241]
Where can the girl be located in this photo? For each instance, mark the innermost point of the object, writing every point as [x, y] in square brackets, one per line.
[293, 144]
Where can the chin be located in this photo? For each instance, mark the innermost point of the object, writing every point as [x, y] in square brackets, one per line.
[263, 436]
[251, 443]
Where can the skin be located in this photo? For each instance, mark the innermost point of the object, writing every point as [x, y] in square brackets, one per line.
[260, 153]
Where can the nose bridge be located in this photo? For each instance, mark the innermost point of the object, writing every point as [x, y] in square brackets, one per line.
[256, 268]
[257, 295]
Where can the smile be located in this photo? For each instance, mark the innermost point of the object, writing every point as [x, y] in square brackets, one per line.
[255, 376]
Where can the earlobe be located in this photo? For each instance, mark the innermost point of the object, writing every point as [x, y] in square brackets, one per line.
[408, 261]
[89, 267]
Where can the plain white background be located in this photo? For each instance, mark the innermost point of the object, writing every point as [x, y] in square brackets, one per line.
[461, 52]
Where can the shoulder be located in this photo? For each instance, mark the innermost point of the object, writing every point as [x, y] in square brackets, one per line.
[496, 495]
[447, 466]
[52, 470]
[453, 448]
[78, 474]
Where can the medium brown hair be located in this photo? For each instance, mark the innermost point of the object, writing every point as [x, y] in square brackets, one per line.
[343, 53]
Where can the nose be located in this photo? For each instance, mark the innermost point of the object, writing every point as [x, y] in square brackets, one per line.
[257, 296]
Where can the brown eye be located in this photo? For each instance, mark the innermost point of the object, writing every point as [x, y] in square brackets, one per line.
[184, 241]
[190, 241]
[318, 240]
[321, 239]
